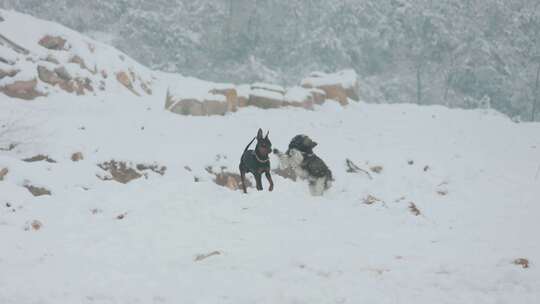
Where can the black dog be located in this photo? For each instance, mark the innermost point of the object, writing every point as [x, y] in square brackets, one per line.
[257, 161]
[306, 164]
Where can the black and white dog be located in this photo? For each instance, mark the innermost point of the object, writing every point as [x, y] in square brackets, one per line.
[306, 164]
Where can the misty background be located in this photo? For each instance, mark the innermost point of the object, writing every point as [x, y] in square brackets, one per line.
[464, 54]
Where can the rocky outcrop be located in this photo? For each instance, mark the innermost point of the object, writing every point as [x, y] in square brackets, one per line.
[78, 60]
[338, 86]
[314, 90]
[266, 96]
[299, 97]
[8, 73]
[62, 61]
[23, 89]
[124, 172]
[231, 96]
[228, 179]
[3, 173]
[77, 156]
[194, 107]
[37, 191]
[125, 80]
[62, 78]
[53, 43]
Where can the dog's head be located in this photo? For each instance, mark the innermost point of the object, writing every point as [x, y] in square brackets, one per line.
[264, 145]
[302, 143]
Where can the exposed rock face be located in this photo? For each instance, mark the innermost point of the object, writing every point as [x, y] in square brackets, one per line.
[78, 60]
[78, 156]
[123, 78]
[8, 73]
[50, 58]
[49, 77]
[39, 157]
[22, 89]
[61, 77]
[230, 95]
[62, 73]
[53, 43]
[319, 96]
[266, 96]
[124, 172]
[335, 92]
[186, 107]
[338, 86]
[3, 173]
[214, 107]
[37, 191]
[299, 97]
[227, 179]
[120, 171]
[212, 104]
[315, 89]
[265, 99]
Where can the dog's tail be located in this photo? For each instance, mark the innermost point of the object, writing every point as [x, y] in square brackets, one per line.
[247, 147]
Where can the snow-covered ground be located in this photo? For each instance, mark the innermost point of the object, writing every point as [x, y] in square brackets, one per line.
[276, 247]
[474, 176]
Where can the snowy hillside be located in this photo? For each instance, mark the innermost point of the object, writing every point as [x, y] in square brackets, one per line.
[453, 53]
[109, 198]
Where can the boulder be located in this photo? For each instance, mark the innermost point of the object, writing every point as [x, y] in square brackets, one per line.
[338, 86]
[52, 59]
[3, 173]
[214, 106]
[268, 87]
[318, 96]
[78, 60]
[61, 77]
[265, 99]
[48, 76]
[53, 43]
[8, 73]
[37, 191]
[186, 107]
[242, 92]
[23, 89]
[124, 172]
[120, 171]
[206, 104]
[62, 73]
[78, 156]
[126, 81]
[299, 97]
[231, 97]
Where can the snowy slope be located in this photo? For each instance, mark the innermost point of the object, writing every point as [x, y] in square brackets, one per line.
[473, 175]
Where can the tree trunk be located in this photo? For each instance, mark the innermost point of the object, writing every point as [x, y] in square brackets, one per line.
[535, 100]
[418, 84]
[447, 88]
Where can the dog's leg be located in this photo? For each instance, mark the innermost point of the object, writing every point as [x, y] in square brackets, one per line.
[269, 178]
[258, 181]
[316, 186]
[243, 178]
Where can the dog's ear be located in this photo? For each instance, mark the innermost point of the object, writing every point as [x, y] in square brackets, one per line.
[267, 132]
[313, 144]
[259, 134]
